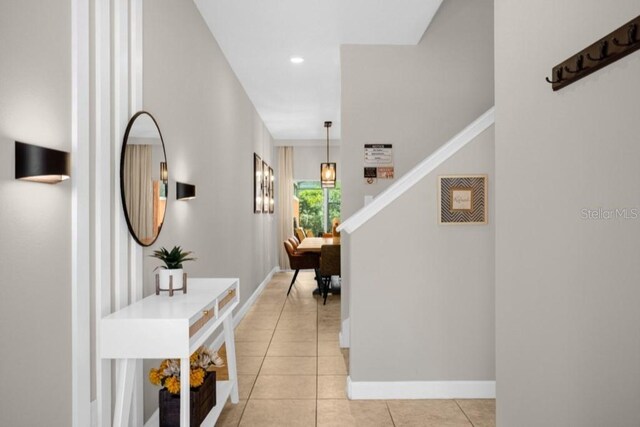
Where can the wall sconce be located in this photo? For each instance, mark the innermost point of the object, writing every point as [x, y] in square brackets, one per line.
[185, 191]
[40, 164]
[328, 170]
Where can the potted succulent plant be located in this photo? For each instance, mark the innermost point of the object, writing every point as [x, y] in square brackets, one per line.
[172, 267]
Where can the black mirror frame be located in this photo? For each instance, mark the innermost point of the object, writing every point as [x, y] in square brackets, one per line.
[122, 197]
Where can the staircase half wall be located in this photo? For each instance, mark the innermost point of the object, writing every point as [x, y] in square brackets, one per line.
[421, 294]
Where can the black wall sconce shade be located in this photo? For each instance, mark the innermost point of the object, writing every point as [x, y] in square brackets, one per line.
[40, 164]
[185, 191]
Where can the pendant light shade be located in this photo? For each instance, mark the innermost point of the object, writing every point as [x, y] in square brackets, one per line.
[164, 173]
[328, 170]
[328, 175]
[40, 164]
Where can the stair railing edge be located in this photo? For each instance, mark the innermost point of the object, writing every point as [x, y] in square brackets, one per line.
[418, 172]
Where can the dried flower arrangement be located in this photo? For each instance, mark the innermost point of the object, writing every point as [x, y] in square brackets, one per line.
[202, 360]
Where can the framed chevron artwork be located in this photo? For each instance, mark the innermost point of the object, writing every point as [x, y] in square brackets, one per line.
[462, 199]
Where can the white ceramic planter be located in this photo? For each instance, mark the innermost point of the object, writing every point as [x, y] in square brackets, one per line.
[177, 278]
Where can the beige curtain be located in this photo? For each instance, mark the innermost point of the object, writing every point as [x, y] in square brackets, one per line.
[285, 201]
[139, 189]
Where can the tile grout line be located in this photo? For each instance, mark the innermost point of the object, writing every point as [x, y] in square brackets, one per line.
[386, 403]
[464, 413]
[270, 342]
[263, 358]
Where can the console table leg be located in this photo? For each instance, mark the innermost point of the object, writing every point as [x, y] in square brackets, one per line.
[229, 340]
[185, 407]
[124, 392]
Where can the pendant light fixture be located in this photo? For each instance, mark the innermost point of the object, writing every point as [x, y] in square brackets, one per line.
[164, 173]
[328, 170]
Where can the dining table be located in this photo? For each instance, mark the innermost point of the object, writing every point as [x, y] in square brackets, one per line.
[314, 245]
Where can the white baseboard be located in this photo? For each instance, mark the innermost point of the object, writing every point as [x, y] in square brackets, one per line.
[365, 390]
[237, 318]
[247, 305]
[345, 335]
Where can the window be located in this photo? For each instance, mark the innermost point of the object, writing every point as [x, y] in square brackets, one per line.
[334, 204]
[318, 206]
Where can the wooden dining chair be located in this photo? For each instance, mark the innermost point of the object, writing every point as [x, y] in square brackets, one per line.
[300, 261]
[329, 266]
[294, 243]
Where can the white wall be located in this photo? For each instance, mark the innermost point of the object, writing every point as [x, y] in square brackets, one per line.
[35, 219]
[211, 131]
[422, 294]
[568, 323]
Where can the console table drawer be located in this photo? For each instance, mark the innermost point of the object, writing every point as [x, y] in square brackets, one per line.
[226, 299]
[207, 315]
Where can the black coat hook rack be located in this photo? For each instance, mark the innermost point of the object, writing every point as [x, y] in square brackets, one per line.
[607, 50]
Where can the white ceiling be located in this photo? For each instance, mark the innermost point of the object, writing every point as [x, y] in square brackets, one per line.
[259, 37]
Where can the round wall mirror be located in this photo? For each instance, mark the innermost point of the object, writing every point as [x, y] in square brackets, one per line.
[144, 178]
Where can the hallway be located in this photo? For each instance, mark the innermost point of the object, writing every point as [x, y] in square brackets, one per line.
[292, 371]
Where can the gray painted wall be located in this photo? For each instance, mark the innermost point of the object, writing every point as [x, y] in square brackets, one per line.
[35, 219]
[415, 97]
[211, 131]
[568, 323]
[422, 294]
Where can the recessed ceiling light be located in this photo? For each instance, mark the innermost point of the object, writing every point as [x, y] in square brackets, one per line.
[297, 59]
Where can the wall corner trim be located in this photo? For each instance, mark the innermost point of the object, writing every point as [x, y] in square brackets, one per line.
[345, 336]
[423, 168]
[367, 390]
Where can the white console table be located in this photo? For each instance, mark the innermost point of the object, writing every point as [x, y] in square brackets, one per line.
[164, 327]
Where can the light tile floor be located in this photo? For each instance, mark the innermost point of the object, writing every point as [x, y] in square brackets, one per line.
[292, 372]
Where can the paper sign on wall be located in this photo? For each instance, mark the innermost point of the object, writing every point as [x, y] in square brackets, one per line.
[378, 162]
